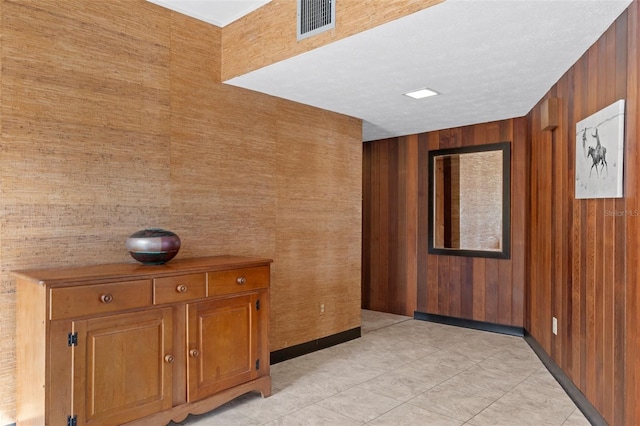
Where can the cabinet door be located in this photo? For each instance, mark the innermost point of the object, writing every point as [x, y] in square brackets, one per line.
[122, 367]
[222, 344]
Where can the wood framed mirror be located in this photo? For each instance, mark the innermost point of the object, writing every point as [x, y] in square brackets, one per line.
[469, 201]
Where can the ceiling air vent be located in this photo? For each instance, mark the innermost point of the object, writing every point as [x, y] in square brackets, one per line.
[315, 16]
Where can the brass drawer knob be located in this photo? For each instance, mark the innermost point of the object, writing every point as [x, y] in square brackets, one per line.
[194, 353]
[168, 358]
[182, 288]
[241, 280]
[106, 298]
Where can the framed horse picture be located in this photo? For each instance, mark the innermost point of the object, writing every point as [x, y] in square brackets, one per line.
[600, 153]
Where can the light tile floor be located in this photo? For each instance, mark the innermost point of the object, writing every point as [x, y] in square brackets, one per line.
[408, 372]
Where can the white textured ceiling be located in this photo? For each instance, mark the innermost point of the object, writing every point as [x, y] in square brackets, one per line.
[488, 59]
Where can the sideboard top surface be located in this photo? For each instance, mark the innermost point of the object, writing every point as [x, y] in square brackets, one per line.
[135, 271]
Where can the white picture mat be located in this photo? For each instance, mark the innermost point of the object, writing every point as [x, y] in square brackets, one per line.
[600, 176]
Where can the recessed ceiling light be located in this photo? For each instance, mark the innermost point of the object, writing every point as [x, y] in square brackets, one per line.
[422, 93]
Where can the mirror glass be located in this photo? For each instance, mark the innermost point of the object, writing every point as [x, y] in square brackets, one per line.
[469, 191]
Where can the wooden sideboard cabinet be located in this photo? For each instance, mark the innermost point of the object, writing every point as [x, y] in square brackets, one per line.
[140, 344]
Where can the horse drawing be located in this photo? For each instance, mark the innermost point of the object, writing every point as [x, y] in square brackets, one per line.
[598, 155]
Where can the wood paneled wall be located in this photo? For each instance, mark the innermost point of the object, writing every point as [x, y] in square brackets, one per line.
[268, 35]
[631, 299]
[584, 255]
[389, 223]
[580, 258]
[113, 119]
[479, 289]
[398, 274]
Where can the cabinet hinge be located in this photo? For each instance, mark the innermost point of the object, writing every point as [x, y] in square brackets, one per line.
[72, 421]
[257, 364]
[72, 339]
[258, 305]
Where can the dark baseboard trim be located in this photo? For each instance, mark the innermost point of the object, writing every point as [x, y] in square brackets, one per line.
[581, 401]
[314, 345]
[467, 323]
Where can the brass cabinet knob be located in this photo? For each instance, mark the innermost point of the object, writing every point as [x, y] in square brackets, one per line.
[168, 358]
[181, 288]
[106, 298]
[241, 280]
[194, 353]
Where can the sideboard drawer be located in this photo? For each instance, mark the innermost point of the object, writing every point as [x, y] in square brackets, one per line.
[179, 288]
[237, 280]
[70, 302]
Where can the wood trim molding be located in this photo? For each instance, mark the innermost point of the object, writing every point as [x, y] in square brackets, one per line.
[574, 393]
[467, 323]
[314, 345]
[549, 114]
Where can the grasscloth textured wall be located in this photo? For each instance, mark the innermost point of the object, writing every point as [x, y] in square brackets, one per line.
[113, 119]
[585, 254]
[276, 24]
